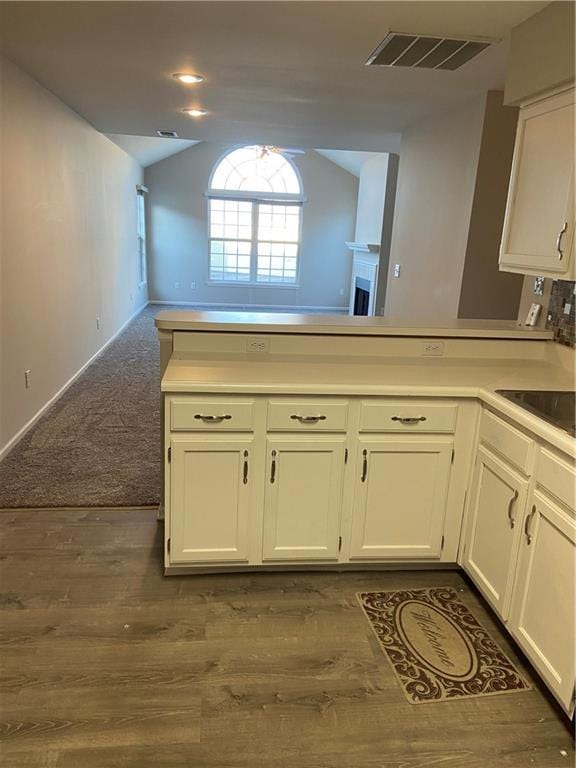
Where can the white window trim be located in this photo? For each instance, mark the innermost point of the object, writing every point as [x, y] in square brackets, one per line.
[294, 200]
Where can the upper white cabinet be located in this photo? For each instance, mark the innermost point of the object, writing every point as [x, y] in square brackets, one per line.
[400, 497]
[211, 488]
[303, 498]
[538, 230]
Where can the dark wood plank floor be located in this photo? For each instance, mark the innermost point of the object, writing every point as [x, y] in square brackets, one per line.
[105, 663]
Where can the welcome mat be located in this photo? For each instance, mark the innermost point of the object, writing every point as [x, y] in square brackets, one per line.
[437, 649]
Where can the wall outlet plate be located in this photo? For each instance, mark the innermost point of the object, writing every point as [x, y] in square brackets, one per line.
[257, 345]
[433, 348]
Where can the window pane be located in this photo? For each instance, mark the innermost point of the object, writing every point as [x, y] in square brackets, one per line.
[256, 169]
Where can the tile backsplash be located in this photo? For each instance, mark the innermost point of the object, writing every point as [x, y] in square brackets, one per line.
[561, 312]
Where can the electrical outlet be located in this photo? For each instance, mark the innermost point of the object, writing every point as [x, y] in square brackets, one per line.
[341, 291]
[97, 323]
[433, 348]
[257, 345]
[176, 285]
[193, 285]
[27, 378]
[396, 272]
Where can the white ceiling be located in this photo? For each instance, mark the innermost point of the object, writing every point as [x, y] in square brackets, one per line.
[148, 150]
[285, 73]
[349, 159]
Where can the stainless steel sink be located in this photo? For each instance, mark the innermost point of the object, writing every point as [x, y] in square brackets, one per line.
[556, 408]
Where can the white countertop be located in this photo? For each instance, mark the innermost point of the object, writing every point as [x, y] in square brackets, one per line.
[430, 378]
[341, 325]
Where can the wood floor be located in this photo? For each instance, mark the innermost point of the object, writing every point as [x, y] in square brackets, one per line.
[105, 663]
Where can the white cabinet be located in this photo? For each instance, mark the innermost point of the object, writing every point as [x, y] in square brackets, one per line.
[210, 495]
[542, 610]
[497, 501]
[304, 477]
[539, 224]
[400, 497]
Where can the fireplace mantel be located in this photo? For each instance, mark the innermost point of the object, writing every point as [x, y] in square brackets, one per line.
[363, 247]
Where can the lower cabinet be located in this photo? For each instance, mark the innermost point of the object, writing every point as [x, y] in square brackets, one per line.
[210, 495]
[303, 498]
[497, 501]
[400, 497]
[542, 613]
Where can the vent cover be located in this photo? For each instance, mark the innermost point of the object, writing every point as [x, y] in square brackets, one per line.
[404, 50]
[167, 134]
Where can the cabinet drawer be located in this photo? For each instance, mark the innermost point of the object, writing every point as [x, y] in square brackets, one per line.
[557, 476]
[308, 415]
[211, 415]
[513, 445]
[407, 416]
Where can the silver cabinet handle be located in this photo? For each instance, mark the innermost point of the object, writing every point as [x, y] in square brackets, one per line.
[273, 467]
[212, 419]
[527, 525]
[364, 465]
[510, 508]
[559, 241]
[245, 474]
[408, 419]
[307, 419]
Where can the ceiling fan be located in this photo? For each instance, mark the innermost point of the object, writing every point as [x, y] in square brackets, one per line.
[268, 149]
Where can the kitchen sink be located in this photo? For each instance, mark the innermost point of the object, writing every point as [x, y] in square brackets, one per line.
[556, 408]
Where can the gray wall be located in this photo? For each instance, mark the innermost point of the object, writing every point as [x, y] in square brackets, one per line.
[437, 173]
[67, 245]
[541, 53]
[486, 292]
[178, 234]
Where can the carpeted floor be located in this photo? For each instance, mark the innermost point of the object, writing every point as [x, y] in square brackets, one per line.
[99, 444]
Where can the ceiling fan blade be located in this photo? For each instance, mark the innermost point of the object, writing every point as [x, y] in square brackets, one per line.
[290, 151]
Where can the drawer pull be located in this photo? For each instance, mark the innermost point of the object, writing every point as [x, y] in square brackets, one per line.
[307, 419]
[364, 465]
[273, 467]
[245, 474]
[408, 419]
[510, 508]
[559, 241]
[527, 525]
[212, 419]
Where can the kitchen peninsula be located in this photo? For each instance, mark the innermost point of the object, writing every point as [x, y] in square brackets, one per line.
[305, 442]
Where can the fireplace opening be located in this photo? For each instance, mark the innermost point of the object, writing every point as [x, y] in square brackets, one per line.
[362, 296]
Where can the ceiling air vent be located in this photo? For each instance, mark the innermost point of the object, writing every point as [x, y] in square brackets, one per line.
[404, 50]
[167, 134]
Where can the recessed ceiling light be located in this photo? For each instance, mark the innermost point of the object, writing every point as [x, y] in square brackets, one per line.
[195, 112]
[188, 79]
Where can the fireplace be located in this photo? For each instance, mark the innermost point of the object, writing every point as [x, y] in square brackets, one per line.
[362, 296]
[364, 278]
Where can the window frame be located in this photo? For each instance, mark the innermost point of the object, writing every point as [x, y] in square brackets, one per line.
[141, 235]
[256, 199]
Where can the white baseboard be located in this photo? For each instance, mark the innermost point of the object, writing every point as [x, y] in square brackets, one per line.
[247, 307]
[29, 424]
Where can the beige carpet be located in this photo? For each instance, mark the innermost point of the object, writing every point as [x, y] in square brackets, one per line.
[99, 444]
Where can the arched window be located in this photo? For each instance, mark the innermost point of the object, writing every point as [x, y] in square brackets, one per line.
[255, 203]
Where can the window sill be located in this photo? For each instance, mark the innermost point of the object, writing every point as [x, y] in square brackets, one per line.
[235, 284]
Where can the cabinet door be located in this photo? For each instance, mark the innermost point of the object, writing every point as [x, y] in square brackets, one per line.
[542, 610]
[210, 499]
[497, 502]
[539, 222]
[303, 499]
[400, 498]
